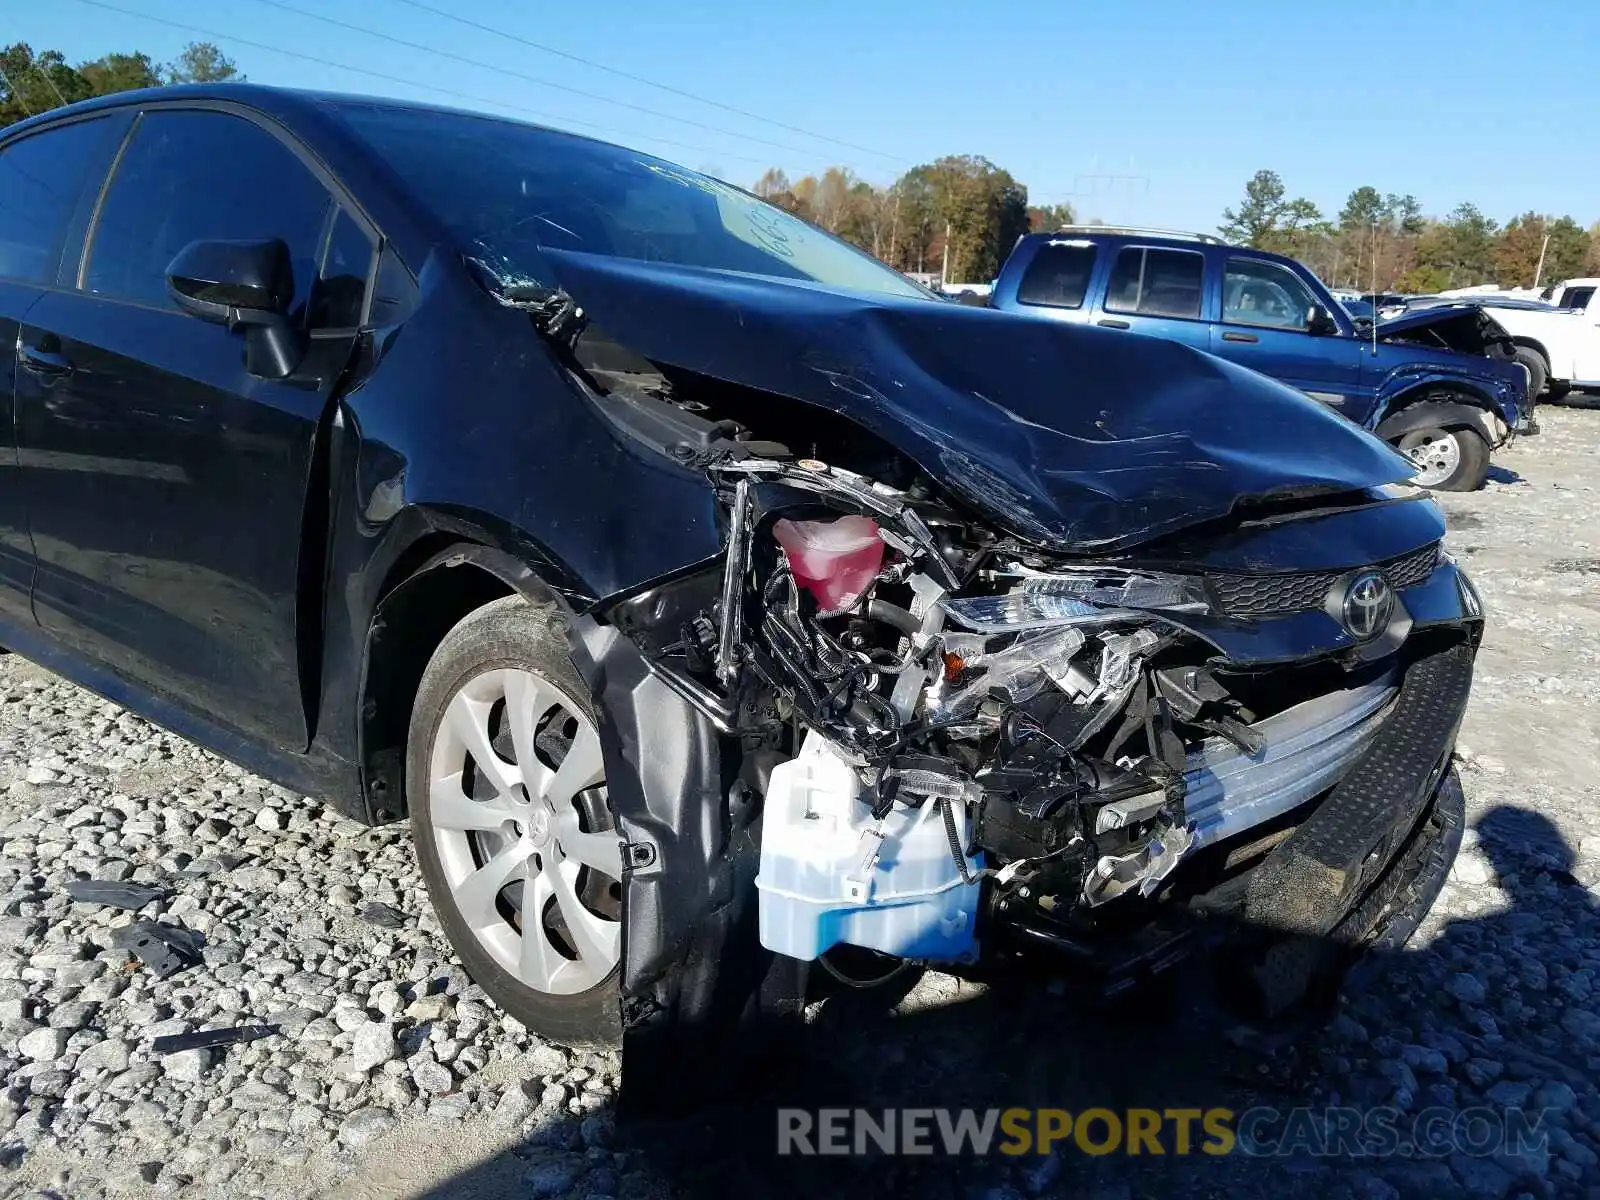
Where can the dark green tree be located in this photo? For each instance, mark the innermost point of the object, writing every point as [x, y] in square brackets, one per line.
[201, 62]
[1269, 220]
[120, 73]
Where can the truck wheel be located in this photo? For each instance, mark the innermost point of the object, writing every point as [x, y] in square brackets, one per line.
[1538, 373]
[1447, 460]
[513, 829]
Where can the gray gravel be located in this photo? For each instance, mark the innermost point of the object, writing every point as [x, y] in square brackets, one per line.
[394, 1076]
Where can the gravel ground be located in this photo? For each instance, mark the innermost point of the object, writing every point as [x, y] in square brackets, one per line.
[394, 1076]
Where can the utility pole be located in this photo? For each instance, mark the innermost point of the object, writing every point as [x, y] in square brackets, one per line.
[894, 227]
[1538, 272]
[944, 271]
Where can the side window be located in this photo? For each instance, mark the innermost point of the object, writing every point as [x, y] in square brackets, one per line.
[1156, 283]
[1256, 292]
[342, 286]
[1577, 297]
[1058, 276]
[187, 175]
[41, 178]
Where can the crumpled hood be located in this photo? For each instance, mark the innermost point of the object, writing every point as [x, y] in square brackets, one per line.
[1421, 318]
[1077, 439]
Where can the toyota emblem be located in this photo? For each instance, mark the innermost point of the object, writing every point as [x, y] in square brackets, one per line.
[1368, 604]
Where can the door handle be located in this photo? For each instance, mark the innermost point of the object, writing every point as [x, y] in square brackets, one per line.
[1240, 337]
[1111, 323]
[47, 363]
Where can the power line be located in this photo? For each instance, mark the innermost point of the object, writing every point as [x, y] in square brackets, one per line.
[12, 88]
[427, 87]
[514, 74]
[45, 75]
[621, 74]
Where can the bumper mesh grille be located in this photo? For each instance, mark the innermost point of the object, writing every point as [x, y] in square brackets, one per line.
[1274, 595]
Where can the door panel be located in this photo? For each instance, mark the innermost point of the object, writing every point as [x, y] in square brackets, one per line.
[166, 485]
[47, 179]
[1265, 310]
[16, 548]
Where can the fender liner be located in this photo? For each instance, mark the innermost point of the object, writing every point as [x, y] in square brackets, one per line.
[703, 1002]
[1441, 414]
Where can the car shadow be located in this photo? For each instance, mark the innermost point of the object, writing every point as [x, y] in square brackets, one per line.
[1575, 399]
[1447, 1028]
[1500, 474]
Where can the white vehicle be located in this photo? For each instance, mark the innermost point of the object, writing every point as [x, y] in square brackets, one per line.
[1571, 293]
[1558, 339]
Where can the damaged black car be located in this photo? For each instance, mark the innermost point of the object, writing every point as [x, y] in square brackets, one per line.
[713, 600]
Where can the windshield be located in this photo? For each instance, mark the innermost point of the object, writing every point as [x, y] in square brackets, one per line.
[508, 190]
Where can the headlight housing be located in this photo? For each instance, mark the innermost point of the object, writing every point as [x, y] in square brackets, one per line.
[1097, 598]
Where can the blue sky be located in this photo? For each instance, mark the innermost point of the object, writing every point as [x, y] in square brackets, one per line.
[1154, 112]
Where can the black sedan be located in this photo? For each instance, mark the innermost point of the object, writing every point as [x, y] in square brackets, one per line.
[712, 599]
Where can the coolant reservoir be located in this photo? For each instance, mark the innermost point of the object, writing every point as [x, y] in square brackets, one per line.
[831, 873]
[836, 561]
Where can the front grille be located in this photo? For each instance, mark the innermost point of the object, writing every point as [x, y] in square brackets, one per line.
[1411, 569]
[1275, 595]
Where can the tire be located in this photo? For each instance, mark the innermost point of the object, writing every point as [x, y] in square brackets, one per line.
[1538, 372]
[489, 832]
[1557, 391]
[1448, 460]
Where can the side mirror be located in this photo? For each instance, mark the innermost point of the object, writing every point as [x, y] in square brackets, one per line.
[246, 285]
[1320, 322]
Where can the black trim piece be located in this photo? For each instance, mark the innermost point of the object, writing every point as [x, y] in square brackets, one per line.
[92, 229]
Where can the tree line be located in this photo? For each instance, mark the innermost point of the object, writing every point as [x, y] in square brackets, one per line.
[1383, 241]
[34, 83]
[957, 216]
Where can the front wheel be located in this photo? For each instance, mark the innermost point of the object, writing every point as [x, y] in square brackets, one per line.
[513, 828]
[1447, 460]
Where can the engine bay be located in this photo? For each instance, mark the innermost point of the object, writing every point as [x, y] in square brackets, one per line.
[951, 734]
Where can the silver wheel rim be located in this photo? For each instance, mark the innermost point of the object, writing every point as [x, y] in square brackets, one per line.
[518, 835]
[1436, 454]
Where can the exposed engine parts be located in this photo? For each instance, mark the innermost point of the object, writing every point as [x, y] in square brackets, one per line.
[935, 720]
[957, 737]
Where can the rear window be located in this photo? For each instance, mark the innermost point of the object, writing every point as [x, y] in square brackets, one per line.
[1577, 297]
[1058, 276]
[1156, 283]
[40, 180]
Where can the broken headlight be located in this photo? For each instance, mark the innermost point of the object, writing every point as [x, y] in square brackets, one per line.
[1088, 599]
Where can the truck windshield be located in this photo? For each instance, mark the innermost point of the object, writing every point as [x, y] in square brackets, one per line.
[508, 190]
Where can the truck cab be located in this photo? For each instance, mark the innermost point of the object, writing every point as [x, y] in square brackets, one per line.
[1444, 388]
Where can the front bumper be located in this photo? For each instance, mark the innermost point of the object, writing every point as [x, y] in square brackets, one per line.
[1403, 896]
[1353, 881]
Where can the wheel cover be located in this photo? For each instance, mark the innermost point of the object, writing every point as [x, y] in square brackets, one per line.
[521, 865]
[1436, 453]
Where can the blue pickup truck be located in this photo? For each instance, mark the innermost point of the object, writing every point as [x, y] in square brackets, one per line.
[1443, 384]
